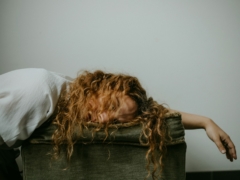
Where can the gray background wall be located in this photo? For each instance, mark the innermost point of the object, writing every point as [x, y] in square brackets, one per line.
[186, 54]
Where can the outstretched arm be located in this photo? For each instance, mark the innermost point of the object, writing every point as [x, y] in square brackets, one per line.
[214, 132]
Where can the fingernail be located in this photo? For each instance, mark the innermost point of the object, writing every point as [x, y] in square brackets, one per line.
[223, 151]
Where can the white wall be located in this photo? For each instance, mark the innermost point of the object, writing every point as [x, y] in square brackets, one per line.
[185, 53]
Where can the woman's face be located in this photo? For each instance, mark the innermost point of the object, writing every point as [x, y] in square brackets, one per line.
[126, 111]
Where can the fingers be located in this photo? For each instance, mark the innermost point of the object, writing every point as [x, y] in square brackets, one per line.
[226, 146]
[228, 155]
[222, 140]
[220, 146]
[230, 148]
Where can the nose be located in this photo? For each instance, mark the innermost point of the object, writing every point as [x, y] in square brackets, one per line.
[104, 117]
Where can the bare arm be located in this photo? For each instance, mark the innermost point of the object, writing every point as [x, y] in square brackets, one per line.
[214, 132]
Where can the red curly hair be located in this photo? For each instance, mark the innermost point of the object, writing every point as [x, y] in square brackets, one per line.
[74, 111]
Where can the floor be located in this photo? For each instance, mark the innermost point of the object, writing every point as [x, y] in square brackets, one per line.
[215, 175]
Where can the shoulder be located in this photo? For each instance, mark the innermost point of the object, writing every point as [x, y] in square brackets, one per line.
[31, 76]
[32, 81]
[27, 74]
[26, 70]
[23, 83]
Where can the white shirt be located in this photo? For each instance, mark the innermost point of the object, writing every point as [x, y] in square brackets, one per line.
[28, 97]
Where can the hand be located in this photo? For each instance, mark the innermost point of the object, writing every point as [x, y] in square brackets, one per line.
[221, 139]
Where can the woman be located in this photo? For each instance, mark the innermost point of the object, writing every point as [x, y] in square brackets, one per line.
[109, 98]
[28, 97]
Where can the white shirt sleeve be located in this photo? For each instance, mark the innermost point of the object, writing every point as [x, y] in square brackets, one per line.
[28, 97]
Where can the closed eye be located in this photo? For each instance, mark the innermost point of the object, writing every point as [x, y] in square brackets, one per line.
[115, 121]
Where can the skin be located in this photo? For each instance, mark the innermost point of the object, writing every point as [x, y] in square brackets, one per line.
[128, 108]
[214, 132]
[126, 111]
